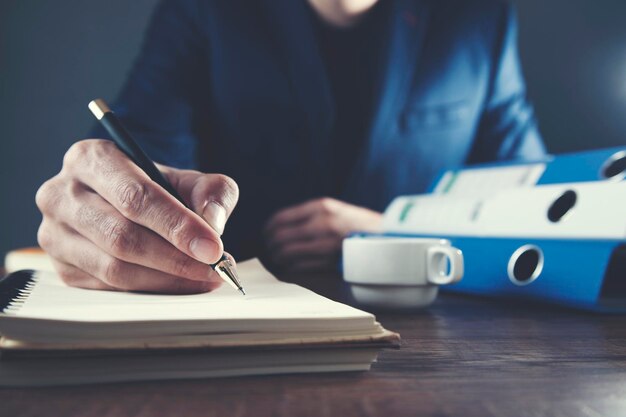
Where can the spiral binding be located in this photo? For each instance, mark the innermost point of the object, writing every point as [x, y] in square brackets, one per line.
[15, 289]
[20, 299]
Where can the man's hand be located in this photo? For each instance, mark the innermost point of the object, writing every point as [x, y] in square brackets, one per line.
[308, 236]
[107, 225]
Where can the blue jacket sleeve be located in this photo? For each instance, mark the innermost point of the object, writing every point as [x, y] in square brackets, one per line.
[159, 98]
[507, 128]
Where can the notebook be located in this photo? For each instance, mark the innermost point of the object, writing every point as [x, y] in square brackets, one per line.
[54, 334]
[27, 258]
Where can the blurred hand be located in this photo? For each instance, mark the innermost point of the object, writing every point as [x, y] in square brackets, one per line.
[107, 225]
[308, 236]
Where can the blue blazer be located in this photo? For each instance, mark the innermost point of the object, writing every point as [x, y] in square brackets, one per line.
[239, 87]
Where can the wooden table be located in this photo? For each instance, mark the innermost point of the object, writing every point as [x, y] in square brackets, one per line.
[462, 357]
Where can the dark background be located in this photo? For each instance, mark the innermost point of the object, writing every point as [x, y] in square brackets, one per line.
[56, 56]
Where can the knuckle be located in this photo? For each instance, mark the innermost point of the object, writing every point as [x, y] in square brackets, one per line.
[121, 237]
[41, 197]
[86, 214]
[67, 276]
[179, 230]
[45, 196]
[76, 153]
[55, 192]
[132, 197]
[44, 237]
[331, 224]
[75, 189]
[102, 146]
[87, 153]
[113, 273]
[226, 190]
[334, 226]
[184, 267]
[327, 205]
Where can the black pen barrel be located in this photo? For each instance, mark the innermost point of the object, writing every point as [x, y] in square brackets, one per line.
[127, 144]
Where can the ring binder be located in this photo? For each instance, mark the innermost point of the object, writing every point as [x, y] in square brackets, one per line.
[614, 167]
[588, 274]
[552, 229]
[596, 165]
[584, 210]
[525, 265]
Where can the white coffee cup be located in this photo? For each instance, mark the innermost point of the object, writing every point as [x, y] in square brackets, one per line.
[390, 272]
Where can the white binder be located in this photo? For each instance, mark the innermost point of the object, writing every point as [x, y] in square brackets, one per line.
[589, 210]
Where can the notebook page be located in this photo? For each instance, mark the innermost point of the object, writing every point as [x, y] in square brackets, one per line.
[267, 299]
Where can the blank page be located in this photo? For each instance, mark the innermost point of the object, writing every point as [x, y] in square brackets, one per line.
[267, 299]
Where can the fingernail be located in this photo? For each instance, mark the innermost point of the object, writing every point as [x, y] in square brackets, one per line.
[215, 215]
[203, 250]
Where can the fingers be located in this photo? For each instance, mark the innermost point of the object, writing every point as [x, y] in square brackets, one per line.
[305, 237]
[117, 236]
[313, 228]
[301, 212]
[103, 168]
[212, 196]
[309, 235]
[313, 219]
[107, 225]
[310, 244]
[74, 277]
[230, 258]
[81, 263]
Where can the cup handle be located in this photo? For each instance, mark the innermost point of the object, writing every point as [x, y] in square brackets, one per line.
[434, 258]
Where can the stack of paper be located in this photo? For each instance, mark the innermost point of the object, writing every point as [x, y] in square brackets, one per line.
[55, 334]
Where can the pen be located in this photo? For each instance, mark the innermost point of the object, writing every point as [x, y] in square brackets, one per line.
[124, 141]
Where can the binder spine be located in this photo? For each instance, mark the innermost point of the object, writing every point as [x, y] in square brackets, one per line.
[15, 289]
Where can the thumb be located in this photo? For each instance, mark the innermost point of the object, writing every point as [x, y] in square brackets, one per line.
[212, 196]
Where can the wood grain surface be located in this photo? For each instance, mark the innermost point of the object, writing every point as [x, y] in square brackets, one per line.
[462, 357]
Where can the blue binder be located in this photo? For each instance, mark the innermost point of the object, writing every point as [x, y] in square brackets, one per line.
[588, 274]
[584, 274]
[595, 165]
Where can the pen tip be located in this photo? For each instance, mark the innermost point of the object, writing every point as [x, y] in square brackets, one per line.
[227, 271]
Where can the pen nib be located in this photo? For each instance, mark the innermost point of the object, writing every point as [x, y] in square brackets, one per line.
[226, 270]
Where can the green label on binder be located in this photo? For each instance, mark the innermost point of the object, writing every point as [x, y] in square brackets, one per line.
[405, 211]
[451, 182]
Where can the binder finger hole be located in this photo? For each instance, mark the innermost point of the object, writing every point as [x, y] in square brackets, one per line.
[615, 167]
[562, 206]
[525, 265]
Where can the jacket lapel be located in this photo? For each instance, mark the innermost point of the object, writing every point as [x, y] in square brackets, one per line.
[294, 41]
[405, 33]
[292, 33]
